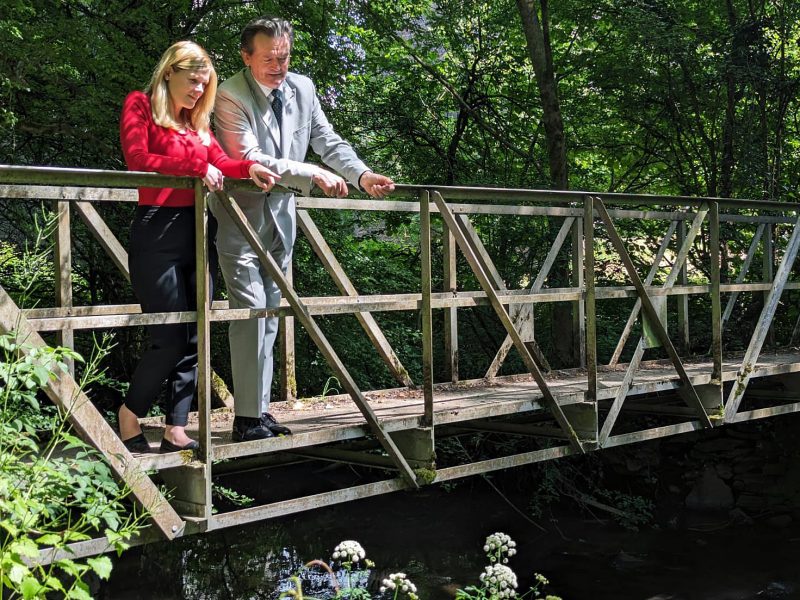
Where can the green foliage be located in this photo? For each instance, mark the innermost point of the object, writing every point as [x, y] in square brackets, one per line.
[54, 489]
[230, 495]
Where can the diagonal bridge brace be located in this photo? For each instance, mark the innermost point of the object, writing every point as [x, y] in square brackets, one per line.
[750, 359]
[521, 315]
[691, 397]
[524, 318]
[637, 307]
[315, 333]
[638, 354]
[346, 287]
[505, 319]
[67, 395]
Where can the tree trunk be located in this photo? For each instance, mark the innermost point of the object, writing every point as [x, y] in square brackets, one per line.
[726, 183]
[535, 24]
[538, 41]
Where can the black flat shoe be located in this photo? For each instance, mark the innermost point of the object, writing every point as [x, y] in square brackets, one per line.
[138, 444]
[167, 446]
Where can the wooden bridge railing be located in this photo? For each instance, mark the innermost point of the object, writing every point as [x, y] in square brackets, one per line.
[588, 222]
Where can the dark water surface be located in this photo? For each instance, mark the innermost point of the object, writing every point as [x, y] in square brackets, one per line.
[436, 537]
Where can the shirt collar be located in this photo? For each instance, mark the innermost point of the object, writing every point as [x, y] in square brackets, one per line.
[268, 90]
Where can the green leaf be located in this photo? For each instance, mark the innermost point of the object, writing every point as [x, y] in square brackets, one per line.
[79, 592]
[30, 588]
[101, 565]
[26, 547]
[18, 572]
[49, 539]
[73, 441]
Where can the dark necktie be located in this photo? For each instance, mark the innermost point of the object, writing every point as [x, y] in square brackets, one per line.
[277, 107]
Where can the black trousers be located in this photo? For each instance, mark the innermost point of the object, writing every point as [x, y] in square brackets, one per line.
[164, 279]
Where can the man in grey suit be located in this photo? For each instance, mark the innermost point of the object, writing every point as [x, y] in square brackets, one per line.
[267, 114]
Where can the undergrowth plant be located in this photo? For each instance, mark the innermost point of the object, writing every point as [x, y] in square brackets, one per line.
[54, 489]
[498, 580]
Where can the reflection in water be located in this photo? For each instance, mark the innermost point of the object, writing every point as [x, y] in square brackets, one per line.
[436, 537]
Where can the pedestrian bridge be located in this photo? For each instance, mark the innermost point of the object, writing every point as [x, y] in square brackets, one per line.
[671, 381]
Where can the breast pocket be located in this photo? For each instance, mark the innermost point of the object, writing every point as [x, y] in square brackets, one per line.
[302, 133]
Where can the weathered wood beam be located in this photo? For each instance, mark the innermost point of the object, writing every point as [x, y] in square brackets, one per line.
[65, 393]
[590, 313]
[451, 313]
[63, 274]
[426, 314]
[202, 302]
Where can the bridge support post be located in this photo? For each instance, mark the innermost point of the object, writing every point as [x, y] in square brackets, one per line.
[187, 486]
[417, 447]
[710, 395]
[583, 418]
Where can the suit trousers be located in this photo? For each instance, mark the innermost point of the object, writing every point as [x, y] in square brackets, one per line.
[249, 286]
[164, 279]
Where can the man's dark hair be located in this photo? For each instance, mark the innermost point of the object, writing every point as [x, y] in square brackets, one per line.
[273, 27]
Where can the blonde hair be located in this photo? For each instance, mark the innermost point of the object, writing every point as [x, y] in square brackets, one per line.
[183, 56]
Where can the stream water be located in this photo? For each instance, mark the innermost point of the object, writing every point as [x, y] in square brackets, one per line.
[436, 537]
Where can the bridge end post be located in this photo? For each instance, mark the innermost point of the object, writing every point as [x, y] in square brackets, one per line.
[417, 446]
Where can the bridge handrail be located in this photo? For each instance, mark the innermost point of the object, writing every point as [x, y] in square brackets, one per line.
[14, 174]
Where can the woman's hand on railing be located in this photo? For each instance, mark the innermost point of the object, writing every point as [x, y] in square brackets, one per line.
[263, 177]
[213, 179]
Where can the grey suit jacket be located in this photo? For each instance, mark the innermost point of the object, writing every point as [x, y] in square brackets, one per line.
[244, 127]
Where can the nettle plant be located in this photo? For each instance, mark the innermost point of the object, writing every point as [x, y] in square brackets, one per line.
[54, 488]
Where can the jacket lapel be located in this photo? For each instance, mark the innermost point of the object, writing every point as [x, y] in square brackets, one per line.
[264, 109]
[289, 118]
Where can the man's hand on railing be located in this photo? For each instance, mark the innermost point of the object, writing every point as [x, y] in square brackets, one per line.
[263, 177]
[330, 183]
[375, 184]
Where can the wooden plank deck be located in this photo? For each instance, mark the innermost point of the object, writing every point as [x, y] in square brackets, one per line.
[317, 421]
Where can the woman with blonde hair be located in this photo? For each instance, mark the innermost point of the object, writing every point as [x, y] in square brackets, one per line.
[166, 129]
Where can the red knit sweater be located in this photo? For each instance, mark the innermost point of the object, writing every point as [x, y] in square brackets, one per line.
[150, 147]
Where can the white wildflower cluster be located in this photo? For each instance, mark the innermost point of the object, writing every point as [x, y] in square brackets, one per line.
[399, 582]
[499, 546]
[349, 551]
[500, 581]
